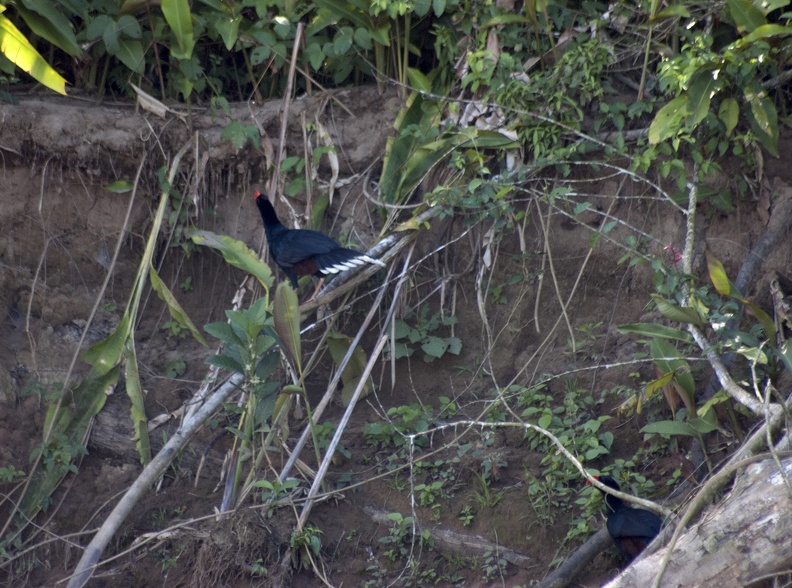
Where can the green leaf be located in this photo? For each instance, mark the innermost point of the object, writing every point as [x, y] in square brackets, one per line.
[763, 117]
[670, 428]
[137, 406]
[343, 41]
[16, 48]
[418, 80]
[676, 313]
[228, 28]
[45, 19]
[729, 113]
[363, 38]
[673, 11]
[767, 31]
[226, 362]
[439, 7]
[106, 354]
[177, 14]
[286, 313]
[703, 86]
[130, 52]
[120, 187]
[746, 16]
[702, 426]
[225, 333]
[236, 253]
[668, 120]
[658, 331]
[434, 347]
[176, 311]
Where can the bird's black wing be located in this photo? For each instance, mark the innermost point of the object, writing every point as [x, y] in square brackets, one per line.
[295, 246]
[634, 522]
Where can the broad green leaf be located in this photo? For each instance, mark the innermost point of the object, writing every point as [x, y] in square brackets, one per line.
[16, 48]
[137, 404]
[670, 428]
[668, 120]
[439, 7]
[177, 14]
[236, 253]
[338, 345]
[729, 113]
[130, 52]
[46, 20]
[746, 16]
[176, 311]
[676, 313]
[720, 280]
[658, 331]
[286, 314]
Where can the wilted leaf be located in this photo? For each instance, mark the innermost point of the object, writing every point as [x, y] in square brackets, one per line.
[719, 278]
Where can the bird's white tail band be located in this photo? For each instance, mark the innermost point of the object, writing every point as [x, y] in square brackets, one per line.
[354, 262]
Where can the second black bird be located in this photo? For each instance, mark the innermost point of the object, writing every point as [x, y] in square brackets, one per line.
[631, 529]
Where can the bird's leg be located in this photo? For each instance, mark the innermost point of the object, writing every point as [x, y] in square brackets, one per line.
[318, 287]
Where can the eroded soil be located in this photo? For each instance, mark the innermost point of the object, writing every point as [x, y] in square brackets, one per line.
[58, 230]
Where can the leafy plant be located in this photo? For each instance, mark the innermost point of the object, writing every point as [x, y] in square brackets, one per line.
[422, 333]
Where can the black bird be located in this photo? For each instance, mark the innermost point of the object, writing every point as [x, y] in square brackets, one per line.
[300, 252]
[631, 529]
